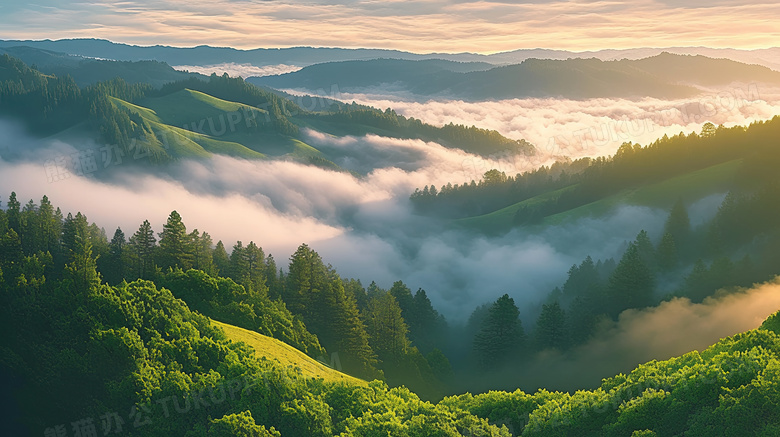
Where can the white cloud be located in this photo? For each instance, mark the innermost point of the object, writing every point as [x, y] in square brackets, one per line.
[591, 127]
[239, 70]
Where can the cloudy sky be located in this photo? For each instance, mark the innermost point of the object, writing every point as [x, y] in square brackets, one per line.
[413, 25]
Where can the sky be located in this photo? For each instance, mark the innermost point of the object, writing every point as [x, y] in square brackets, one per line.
[420, 26]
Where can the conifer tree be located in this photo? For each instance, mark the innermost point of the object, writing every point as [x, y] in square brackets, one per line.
[667, 253]
[551, 327]
[501, 336]
[175, 244]
[221, 260]
[631, 284]
[142, 246]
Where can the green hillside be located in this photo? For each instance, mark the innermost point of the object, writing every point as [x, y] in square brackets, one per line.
[689, 187]
[188, 106]
[286, 355]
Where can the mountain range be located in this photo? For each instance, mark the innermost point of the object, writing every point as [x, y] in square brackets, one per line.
[662, 76]
[304, 56]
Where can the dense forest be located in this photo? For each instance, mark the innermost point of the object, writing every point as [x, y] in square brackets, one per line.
[115, 335]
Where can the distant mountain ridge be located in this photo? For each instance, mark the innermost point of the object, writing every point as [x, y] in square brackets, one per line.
[304, 56]
[662, 76]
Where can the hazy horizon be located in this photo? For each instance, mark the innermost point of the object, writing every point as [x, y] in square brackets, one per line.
[467, 26]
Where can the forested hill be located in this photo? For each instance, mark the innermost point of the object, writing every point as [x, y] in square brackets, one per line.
[684, 166]
[141, 358]
[193, 118]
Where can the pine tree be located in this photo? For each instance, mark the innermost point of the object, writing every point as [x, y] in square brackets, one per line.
[202, 258]
[239, 264]
[13, 213]
[426, 325]
[82, 270]
[646, 250]
[114, 271]
[272, 279]
[221, 260]
[50, 225]
[30, 229]
[73, 229]
[501, 336]
[403, 295]
[175, 245]
[667, 253]
[631, 284]
[142, 246]
[551, 327]
[255, 259]
[306, 279]
[583, 280]
[386, 328]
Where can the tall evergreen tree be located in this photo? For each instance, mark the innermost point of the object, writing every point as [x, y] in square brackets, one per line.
[426, 325]
[501, 336]
[306, 279]
[73, 229]
[50, 222]
[142, 246]
[272, 278]
[583, 280]
[30, 229]
[551, 327]
[667, 253]
[175, 246]
[631, 284]
[355, 288]
[403, 295]
[221, 259]
[386, 328]
[82, 270]
[202, 258]
[646, 250]
[14, 213]
[114, 270]
[239, 264]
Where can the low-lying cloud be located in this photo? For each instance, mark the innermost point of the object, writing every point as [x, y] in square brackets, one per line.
[239, 70]
[593, 127]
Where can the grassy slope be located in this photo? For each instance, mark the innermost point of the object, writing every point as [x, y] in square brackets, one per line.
[286, 355]
[164, 115]
[690, 187]
[186, 107]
